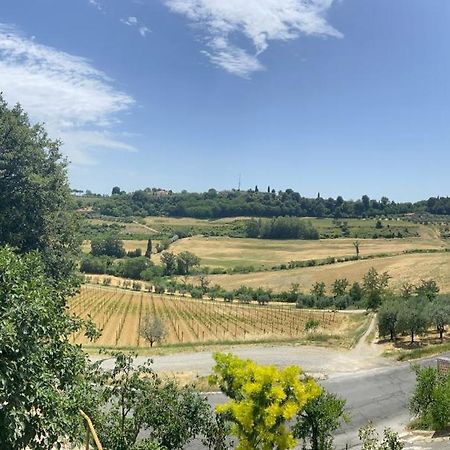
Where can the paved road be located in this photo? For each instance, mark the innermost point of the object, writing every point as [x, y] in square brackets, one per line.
[376, 389]
[378, 395]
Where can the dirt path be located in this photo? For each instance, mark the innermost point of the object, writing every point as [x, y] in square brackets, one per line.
[366, 346]
[146, 227]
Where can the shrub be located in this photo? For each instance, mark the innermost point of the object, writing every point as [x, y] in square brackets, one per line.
[196, 293]
[312, 325]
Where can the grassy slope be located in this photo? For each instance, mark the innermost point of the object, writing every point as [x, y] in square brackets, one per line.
[411, 268]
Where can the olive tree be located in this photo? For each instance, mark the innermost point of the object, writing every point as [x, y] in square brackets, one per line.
[152, 329]
[412, 317]
[388, 318]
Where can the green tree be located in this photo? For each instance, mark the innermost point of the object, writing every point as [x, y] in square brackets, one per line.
[108, 246]
[186, 261]
[430, 401]
[339, 287]
[133, 267]
[428, 289]
[169, 261]
[439, 314]
[43, 380]
[356, 292]
[319, 289]
[148, 251]
[375, 286]
[152, 329]
[252, 228]
[262, 400]
[387, 318]
[407, 290]
[319, 419]
[412, 317]
[138, 400]
[36, 207]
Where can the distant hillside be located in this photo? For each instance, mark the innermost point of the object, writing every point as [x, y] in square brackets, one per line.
[214, 204]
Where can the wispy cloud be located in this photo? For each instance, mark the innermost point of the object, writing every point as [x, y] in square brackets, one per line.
[75, 100]
[96, 4]
[259, 21]
[133, 21]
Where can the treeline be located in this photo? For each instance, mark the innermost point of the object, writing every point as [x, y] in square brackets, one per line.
[233, 203]
[281, 228]
[414, 311]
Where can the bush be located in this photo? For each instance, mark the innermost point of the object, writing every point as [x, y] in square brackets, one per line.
[134, 253]
[228, 297]
[93, 264]
[196, 293]
[430, 402]
[136, 286]
[312, 325]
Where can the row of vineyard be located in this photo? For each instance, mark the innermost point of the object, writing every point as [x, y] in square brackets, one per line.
[118, 313]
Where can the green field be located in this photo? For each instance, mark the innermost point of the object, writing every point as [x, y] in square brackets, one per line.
[142, 228]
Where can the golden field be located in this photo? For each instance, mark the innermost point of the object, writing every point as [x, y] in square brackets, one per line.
[118, 313]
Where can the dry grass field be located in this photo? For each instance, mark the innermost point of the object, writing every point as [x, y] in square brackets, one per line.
[127, 244]
[119, 313]
[158, 222]
[128, 227]
[231, 252]
[403, 268]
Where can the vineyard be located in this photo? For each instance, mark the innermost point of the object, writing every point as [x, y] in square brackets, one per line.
[118, 313]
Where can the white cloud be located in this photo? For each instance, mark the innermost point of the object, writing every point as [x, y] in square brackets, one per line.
[134, 22]
[259, 21]
[96, 4]
[76, 101]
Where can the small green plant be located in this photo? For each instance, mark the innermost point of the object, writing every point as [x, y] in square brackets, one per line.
[312, 325]
[370, 439]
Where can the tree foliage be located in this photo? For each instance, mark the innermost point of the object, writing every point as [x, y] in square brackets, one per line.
[108, 246]
[371, 440]
[152, 329]
[388, 318]
[36, 206]
[234, 203]
[136, 401]
[412, 317]
[319, 419]
[430, 401]
[374, 286]
[42, 375]
[262, 400]
[281, 228]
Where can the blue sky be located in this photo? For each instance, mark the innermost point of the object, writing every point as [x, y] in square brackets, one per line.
[345, 97]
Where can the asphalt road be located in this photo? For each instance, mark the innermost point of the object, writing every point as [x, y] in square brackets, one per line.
[378, 395]
[376, 389]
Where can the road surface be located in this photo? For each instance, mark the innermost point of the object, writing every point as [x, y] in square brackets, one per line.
[376, 389]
